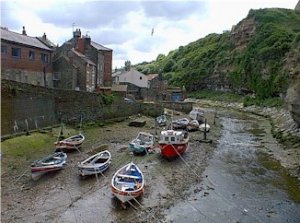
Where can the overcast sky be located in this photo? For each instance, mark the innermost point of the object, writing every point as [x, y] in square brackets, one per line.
[126, 26]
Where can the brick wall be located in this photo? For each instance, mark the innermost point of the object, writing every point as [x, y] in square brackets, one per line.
[24, 69]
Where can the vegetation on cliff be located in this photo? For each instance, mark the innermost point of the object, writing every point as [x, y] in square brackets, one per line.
[250, 58]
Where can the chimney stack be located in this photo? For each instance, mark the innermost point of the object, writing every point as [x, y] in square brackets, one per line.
[44, 36]
[24, 31]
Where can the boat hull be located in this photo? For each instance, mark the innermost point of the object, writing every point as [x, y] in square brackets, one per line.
[171, 151]
[128, 183]
[138, 149]
[85, 170]
[70, 144]
[125, 196]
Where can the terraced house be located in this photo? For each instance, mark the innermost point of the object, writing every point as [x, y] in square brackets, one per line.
[83, 64]
[25, 59]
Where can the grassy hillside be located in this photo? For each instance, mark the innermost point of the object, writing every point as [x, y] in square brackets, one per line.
[252, 57]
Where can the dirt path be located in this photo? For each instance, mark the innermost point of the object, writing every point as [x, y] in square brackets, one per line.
[66, 197]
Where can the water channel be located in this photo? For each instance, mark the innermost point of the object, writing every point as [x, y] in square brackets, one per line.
[241, 183]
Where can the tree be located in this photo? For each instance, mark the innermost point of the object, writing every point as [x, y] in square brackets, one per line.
[127, 65]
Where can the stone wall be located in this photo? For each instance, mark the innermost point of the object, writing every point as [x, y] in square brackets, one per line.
[27, 107]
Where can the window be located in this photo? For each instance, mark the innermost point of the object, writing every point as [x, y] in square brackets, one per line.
[172, 139]
[44, 57]
[31, 55]
[56, 76]
[3, 50]
[16, 52]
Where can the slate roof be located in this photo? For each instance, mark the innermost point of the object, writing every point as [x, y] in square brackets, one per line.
[83, 57]
[99, 46]
[22, 39]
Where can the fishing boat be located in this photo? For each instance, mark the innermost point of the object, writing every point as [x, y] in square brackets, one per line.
[95, 164]
[70, 144]
[142, 143]
[173, 143]
[128, 183]
[197, 114]
[161, 120]
[204, 127]
[180, 123]
[193, 125]
[53, 162]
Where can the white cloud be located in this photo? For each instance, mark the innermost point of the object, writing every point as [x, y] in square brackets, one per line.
[125, 26]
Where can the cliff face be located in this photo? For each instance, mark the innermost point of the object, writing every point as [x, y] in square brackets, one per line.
[297, 6]
[293, 99]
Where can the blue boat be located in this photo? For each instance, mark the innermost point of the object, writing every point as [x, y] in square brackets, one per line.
[142, 144]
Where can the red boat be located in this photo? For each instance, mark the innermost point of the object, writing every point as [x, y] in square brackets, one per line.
[173, 143]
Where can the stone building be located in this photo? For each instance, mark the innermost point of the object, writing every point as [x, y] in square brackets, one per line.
[74, 71]
[25, 59]
[96, 59]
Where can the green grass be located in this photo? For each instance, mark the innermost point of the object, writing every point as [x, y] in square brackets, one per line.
[216, 96]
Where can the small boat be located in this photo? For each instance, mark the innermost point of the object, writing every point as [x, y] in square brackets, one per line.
[53, 162]
[95, 164]
[204, 127]
[180, 123]
[142, 143]
[128, 183]
[161, 120]
[193, 125]
[197, 114]
[173, 143]
[71, 143]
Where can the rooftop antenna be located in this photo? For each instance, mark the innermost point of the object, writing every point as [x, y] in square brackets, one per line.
[73, 25]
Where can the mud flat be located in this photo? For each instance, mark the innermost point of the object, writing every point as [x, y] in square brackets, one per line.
[66, 197]
[282, 127]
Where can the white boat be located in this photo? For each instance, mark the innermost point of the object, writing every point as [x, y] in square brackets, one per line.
[128, 183]
[204, 127]
[193, 125]
[180, 123]
[70, 144]
[95, 164]
[197, 114]
[142, 143]
[53, 162]
[161, 120]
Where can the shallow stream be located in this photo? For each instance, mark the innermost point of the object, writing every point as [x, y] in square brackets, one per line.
[241, 183]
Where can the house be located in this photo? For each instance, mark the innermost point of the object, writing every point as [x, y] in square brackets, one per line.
[119, 89]
[79, 72]
[92, 54]
[25, 59]
[136, 82]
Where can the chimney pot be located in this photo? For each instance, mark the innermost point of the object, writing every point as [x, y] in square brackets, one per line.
[24, 31]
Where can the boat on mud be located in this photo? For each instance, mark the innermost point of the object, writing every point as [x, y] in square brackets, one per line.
[142, 144]
[70, 144]
[181, 123]
[204, 127]
[128, 183]
[173, 143]
[53, 162]
[95, 164]
[161, 120]
[197, 114]
[193, 126]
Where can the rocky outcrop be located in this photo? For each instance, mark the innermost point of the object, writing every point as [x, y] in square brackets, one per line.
[297, 6]
[293, 99]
